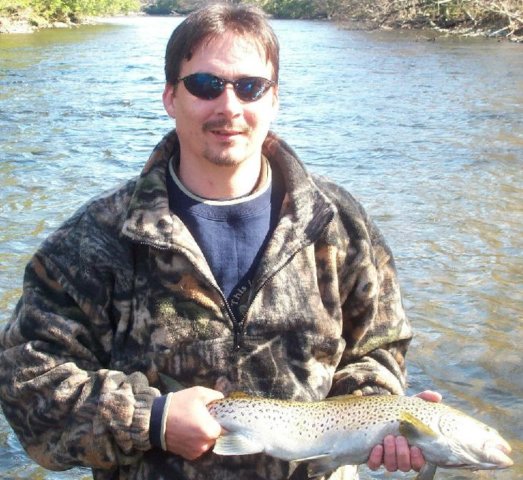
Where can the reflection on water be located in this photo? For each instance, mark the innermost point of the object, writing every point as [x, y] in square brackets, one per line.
[428, 135]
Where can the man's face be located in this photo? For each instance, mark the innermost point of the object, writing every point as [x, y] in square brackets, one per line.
[225, 130]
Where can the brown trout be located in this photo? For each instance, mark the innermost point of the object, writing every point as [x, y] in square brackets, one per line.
[343, 430]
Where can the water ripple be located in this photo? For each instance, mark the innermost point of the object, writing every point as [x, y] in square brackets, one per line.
[428, 135]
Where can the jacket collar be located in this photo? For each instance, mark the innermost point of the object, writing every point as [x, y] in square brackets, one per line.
[305, 211]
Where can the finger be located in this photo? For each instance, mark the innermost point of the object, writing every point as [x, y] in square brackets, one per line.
[389, 454]
[403, 454]
[194, 450]
[208, 429]
[430, 396]
[375, 458]
[416, 458]
[211, 429]
[204, 447]
[189, 454]
[208, 395]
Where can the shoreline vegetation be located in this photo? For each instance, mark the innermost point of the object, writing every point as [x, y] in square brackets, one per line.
[501, 19]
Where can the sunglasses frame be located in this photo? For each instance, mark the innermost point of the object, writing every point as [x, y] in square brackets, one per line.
[222, 83]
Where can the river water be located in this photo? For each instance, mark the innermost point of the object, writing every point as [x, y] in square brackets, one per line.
[427, 134]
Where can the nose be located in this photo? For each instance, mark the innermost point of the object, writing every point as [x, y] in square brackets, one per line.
[228, 103]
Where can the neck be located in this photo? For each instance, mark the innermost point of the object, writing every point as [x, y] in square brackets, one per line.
[220, 182]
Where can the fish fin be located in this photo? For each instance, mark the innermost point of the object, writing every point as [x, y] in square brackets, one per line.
[294, 464]
[322, 465]
[347, 396]
[234, 443]
[171, 384]
[427, 472]
[310, 459]
[237, 394]
[412, 427]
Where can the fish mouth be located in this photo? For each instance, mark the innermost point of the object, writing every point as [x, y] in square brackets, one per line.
[498, 454]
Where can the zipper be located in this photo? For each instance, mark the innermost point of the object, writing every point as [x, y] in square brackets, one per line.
[237, 325]
[237, 329]
[240, 324]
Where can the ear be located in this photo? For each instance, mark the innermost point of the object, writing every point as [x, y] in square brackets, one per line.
[275, 102]
[168, 99]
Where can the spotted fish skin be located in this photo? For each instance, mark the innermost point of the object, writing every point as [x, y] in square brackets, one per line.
[342, 431]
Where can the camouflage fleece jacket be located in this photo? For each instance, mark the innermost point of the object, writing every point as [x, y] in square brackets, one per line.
[121, 292]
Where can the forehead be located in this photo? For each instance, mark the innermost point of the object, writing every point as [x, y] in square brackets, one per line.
[229, 52]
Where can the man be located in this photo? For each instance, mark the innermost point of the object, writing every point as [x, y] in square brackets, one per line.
[225, 265]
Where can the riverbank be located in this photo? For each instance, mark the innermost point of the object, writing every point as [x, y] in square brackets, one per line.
[25, 22]
[476, 18]
[432, 31]
[27, 16]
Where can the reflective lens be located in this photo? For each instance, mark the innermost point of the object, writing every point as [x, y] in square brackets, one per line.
[208, 87]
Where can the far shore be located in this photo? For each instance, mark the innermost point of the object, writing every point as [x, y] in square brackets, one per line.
[20, 25]
[23, 25]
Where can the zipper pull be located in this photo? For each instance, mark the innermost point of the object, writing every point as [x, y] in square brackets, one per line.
[238, 336]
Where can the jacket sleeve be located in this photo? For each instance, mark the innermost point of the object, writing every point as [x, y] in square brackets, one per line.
[375, 327]
[56, 390]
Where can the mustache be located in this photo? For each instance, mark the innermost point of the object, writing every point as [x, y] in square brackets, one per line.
[224, 125]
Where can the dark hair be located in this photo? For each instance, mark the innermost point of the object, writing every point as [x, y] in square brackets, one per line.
[213, 21]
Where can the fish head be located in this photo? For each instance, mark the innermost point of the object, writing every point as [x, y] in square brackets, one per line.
[474, 444]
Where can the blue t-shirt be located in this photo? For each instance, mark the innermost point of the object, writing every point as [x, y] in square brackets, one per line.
[232, 234]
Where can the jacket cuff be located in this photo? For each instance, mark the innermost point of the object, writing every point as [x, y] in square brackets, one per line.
[140, 434]
[155, 426]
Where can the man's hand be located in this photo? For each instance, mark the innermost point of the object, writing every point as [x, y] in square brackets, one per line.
[191, 430]
[395, 453]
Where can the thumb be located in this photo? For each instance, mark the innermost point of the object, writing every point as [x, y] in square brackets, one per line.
[208, 395]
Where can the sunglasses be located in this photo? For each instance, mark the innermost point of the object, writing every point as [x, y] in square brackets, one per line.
[209, 87]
